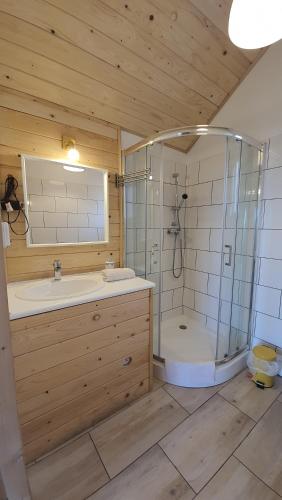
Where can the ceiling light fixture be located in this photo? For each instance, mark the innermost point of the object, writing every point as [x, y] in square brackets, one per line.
[72, 168]
[68, 144]
[254, 24]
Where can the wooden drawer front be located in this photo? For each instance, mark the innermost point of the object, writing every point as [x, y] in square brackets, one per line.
[90, 401]
[50, 440]
[62, 373]
[47, 334]
[62, 394]
[69, 312]
[48, 357]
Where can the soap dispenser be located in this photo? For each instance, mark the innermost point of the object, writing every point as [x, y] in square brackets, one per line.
[109, 264]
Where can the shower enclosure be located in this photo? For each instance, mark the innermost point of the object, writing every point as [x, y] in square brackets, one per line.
[191, 227]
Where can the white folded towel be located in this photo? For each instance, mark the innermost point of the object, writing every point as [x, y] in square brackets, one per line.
[123, 273]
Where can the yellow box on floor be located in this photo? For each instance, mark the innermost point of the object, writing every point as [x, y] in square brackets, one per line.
[264, 353]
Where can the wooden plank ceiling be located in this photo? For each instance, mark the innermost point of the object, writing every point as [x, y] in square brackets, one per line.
[144, 65]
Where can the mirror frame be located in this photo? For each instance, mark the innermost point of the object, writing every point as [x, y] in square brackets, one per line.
[29, 244]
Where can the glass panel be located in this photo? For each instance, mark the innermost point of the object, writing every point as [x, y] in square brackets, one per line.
[154, 235]
[244, 252]
[143, 225]
[238, 248]
[135, 214]
[231, 193]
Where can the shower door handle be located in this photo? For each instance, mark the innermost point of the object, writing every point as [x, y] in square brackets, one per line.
[229, 261]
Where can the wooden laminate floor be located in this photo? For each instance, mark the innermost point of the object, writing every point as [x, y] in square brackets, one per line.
[174, 443]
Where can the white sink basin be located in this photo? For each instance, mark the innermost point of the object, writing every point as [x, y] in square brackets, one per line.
[67, 287]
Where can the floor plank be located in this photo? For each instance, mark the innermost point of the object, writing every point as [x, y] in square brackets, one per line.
[261, 452]
[70, 473]
[191, 399]
[151, 477]
[203, 442]
[244, 394]
[127, 435]
[235, 482]
[157, 383]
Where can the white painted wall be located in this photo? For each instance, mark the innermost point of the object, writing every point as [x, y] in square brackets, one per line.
[255, 108]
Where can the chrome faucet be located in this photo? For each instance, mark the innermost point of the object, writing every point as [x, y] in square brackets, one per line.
[57, 266]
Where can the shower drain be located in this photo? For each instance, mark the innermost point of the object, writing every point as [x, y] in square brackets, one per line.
[183, 327]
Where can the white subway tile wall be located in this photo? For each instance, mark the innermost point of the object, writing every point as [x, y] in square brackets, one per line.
[44, 235]
[160, 244]
[203, 240]
[38, 203]
[55, 220]
[64, 207]
[202, 274]
[268, 318]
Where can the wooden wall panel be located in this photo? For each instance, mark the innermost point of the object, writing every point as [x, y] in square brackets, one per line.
[144, 66]
[29, 132]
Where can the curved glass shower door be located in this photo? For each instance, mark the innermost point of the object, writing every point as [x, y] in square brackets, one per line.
[241, 192]
[220, 222]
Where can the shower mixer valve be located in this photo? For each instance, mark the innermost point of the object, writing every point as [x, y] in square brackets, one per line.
[175, 225]
[173, 229]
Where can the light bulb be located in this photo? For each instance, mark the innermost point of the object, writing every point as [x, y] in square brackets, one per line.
[73, 154]
[255, 23]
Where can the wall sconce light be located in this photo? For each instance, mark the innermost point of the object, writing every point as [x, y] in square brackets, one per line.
[68, 144]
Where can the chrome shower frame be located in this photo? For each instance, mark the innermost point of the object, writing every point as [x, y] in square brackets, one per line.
[197, 130]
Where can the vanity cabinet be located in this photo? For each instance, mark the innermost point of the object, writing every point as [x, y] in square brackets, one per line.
[77, 365]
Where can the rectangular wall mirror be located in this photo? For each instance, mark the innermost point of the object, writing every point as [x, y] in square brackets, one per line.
[65, 204]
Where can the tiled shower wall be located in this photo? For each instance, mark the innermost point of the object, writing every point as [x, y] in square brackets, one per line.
[268, 317]
[203, 243]
[203, 233]
[205, 219]
[172, 288]
[158, 193]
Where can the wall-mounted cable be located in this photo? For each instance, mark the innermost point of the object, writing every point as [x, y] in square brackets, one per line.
[10, 203]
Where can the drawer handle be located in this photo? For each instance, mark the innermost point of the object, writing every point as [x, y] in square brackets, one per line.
[126, 361]
[96, 317]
